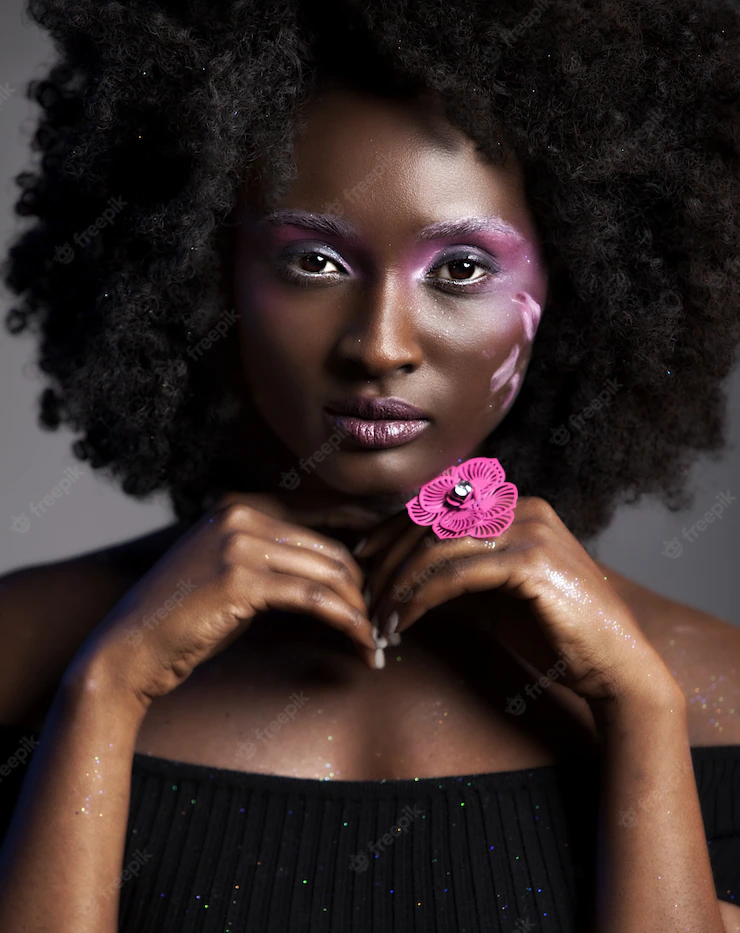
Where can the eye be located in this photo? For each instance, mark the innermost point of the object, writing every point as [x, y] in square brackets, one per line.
[302, 265]
[462, 268]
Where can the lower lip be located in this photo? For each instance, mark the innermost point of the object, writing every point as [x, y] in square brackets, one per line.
[376, 434]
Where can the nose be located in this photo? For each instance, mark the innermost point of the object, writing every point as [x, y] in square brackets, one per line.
[381, 336]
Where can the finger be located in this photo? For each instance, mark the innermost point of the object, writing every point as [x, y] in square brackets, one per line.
[373, 657]
[390, 560]
[311, 565]
[423, 541]
[305, 596]
[426, 581]
[244, 516]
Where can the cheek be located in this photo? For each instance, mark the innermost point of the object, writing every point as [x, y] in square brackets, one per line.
[507, 374]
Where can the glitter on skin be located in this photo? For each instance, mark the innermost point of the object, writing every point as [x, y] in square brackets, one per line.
[571, 590]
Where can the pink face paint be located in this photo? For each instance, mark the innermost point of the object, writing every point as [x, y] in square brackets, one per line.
[531, 312]
[517, 378]
[506, 370]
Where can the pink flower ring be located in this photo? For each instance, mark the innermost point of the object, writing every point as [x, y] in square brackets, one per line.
[468, 499]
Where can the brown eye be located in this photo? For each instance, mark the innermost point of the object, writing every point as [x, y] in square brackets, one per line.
[314, 262]
[461, 268]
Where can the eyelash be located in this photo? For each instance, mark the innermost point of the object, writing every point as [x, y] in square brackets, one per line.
[304, 279]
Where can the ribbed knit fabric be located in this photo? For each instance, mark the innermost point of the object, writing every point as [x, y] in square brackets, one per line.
[215, 851]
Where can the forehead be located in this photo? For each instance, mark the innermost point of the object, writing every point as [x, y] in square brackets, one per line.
[390, 165]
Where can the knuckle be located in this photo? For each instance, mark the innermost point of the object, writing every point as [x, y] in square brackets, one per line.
[340, 570]
[235, 515]
[315, 593]
[540, 534]
[232, 576]
[343, 554]
[455, 570]
[233, 546]
[541, 509]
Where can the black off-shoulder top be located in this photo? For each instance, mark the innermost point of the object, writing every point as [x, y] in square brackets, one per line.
[210, 850]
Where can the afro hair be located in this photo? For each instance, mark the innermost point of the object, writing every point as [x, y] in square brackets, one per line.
[623, 114]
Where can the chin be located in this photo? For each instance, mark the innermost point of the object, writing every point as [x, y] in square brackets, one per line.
[368, 480]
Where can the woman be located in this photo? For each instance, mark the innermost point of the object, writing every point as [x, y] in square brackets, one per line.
[340, 243]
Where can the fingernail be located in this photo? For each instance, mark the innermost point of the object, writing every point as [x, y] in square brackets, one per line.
[379, 658]
[360, 545]
[394, 638]
[392, 623]
[380, 640]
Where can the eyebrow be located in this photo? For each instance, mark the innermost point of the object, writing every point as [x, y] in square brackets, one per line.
[333, 225]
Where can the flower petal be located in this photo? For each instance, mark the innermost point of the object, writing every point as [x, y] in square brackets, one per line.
[432, 494]
[504, 497]
[485, 473]
[447, 532]
[419, 514]
[493, 526]
[455, 520]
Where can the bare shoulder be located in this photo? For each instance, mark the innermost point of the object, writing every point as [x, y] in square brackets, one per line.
[701, 650]
[47, 610]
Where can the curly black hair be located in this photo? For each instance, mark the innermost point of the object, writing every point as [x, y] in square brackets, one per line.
[622, 113]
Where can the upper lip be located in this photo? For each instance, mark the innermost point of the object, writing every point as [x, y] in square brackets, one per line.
[385, 409]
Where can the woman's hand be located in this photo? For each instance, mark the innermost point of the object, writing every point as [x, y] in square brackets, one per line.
[602, 652]
[242, 558]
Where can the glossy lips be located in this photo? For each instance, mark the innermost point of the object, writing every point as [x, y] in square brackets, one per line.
[377, 423]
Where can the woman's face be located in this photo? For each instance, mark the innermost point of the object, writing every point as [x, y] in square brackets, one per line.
[363, 283]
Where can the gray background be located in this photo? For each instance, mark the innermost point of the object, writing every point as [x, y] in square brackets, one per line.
[93, 513]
